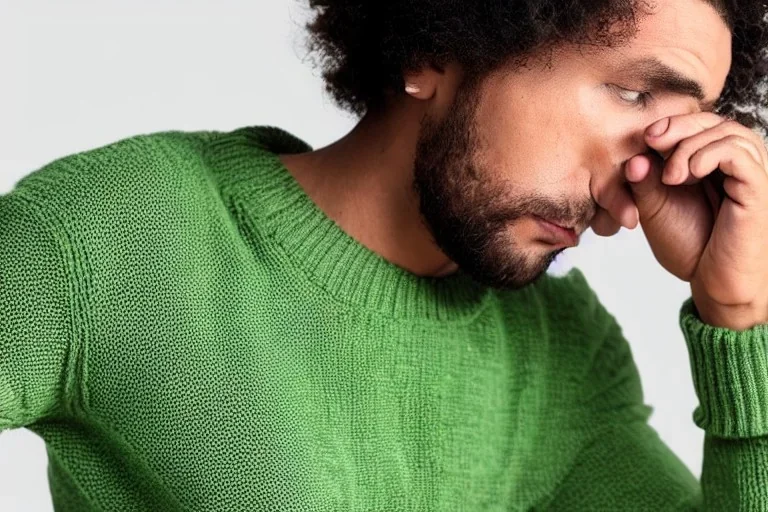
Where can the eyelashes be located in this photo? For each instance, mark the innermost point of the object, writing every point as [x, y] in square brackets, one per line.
[639, 99]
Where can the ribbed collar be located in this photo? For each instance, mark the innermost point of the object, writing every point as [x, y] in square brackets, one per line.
[267, 197]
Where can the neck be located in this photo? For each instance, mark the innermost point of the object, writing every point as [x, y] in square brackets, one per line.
[364, 182]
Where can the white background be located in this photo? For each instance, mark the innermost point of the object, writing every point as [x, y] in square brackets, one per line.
[83, 73]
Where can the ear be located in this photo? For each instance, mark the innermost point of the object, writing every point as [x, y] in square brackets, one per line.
[430, 81]
[421, 86]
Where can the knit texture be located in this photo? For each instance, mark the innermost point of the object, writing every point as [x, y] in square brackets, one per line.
[187, 330]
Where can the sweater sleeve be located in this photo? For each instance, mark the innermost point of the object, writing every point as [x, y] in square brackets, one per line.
[35, 313]
[730, 375]
[624, 465]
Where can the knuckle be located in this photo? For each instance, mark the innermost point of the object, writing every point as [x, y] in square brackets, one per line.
[745, 146]
[687, 146]
[725, 117]
[707, 120]
[695, 163]
[678, 163]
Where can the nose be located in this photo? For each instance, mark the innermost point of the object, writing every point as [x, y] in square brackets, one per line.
[609, 185]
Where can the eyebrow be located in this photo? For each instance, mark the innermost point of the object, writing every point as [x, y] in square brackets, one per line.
[659, 77]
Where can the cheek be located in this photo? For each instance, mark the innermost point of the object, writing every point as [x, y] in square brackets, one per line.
[600, 155]
[524, 144]
[549, 138]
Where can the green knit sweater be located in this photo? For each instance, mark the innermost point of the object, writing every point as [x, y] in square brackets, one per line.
[186, 330]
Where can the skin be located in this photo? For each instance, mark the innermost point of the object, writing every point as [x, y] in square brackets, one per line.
[566, 141]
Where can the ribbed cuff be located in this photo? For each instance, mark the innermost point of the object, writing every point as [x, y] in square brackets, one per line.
[730, 375]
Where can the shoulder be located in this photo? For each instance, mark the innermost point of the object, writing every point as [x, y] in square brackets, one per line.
[567, 301]
[573, 306]
[136, 180]
[579, 339]
[137, 163]
[608, 370]
[115, 203]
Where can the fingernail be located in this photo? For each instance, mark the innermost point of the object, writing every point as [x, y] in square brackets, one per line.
[659, 127]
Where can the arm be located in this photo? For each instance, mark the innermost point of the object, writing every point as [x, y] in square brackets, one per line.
[35, 314]
[730, 374]
[49, 224]
[625, 465]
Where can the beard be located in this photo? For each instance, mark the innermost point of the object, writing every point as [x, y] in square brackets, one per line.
[469, 212]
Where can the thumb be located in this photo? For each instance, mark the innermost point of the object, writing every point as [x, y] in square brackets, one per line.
[643, 172]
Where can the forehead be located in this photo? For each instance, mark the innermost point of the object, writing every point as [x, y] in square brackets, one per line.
[688, 35]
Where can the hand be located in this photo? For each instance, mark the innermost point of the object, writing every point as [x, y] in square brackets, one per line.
[704, 212]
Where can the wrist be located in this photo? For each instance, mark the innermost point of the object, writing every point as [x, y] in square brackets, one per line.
[735, 317]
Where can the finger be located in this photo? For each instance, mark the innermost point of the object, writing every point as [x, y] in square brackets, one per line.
[649, 193]
[678, 128]
[762, 145]
[677, 167]
[746, 182]
[604, 224]
[756, 136]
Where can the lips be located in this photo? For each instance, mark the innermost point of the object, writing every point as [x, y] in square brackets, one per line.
[558, 235]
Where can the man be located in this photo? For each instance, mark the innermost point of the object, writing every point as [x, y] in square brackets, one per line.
[233, 321]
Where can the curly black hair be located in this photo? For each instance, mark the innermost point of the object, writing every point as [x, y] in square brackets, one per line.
[365, 47]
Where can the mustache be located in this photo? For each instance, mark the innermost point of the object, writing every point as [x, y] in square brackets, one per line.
[501, 213]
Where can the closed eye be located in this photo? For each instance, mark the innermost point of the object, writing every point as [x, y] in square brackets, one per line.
[639, 99]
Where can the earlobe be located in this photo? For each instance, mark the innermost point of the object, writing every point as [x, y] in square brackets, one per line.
[422, 85]
[412, 88]
[423, 89]
[429, 82]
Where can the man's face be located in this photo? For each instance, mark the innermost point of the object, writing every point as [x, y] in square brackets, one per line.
[552, 141]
